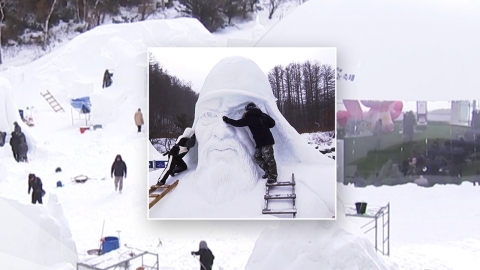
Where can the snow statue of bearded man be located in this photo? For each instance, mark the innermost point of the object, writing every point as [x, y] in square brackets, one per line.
[223, 180]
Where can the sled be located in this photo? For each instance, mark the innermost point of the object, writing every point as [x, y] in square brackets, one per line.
[158, 197]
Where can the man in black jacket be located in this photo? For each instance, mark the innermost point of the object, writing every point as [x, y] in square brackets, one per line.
[259, 124]
[176, 154]
[119, 169]
[206, 256]
[35, 184]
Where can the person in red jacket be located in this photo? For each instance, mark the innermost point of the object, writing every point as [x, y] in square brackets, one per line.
[206, 256]
[259, 124]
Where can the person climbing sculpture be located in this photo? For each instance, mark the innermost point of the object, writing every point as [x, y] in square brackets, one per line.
[259, 124]
[176, 154]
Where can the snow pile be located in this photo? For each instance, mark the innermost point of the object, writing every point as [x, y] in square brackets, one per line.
[121, 48]
[35, 237]
[315, 245]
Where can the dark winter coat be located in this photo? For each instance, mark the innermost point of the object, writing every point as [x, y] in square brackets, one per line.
[35, 185]
[3, 136]
[22, 150]
[181, 148]
[259, 124]
[119, 168]
[206, 258]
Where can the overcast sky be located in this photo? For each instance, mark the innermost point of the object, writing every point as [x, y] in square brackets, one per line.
[194, 64]
[409, 105]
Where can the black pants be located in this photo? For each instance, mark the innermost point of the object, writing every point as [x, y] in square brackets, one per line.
[139, 128]
[15, 155]
[175, 165]
[37, 197]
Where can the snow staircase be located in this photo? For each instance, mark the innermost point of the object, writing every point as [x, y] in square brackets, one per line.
[269, 197]
[52, 101]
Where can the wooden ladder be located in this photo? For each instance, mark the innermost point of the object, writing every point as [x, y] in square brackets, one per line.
[52, 101]
[158, 197]
[268, 197]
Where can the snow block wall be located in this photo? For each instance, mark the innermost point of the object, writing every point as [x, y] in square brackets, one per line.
[316, 245]
[35, 237]
[9, 114]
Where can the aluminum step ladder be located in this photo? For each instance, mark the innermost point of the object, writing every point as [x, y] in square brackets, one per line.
[268, 197]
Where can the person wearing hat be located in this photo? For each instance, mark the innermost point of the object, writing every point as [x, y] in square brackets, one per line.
[259, 124]
[175, 155]
[206, 256]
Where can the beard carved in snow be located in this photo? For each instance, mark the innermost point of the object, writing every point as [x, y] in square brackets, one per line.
[226, 168]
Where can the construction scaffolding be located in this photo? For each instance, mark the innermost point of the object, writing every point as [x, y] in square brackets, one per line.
[381, 231]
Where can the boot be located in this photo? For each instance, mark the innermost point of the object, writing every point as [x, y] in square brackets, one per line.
[272, 181]
[265, 176]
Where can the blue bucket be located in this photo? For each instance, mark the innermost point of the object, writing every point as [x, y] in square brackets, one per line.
[110, 243]
[59, 184]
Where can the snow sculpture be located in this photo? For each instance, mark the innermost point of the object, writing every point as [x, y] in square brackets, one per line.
[230, 85]
[258, 30]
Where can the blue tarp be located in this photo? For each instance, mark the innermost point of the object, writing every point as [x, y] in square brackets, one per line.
[82, 104]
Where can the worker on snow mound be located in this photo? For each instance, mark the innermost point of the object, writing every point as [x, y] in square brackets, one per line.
[18, 142]
[206, 256]
[35, 184]
[176, 154]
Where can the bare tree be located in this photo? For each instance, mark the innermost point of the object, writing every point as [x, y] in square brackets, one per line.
[146, 8]
[2, 24]
[273, 6]
[47, 21]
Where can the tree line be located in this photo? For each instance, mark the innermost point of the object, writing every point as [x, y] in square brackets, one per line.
[171, 102]
[37, 16]
[305, 95]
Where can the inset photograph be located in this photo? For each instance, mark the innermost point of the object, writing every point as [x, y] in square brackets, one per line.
[242, 133]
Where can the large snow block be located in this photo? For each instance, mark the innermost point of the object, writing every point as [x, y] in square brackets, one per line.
[34, 237]
[316, 245]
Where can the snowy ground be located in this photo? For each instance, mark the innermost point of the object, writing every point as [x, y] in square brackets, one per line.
[432, 228]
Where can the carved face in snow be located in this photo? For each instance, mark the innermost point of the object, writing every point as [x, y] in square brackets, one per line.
[225, 153]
